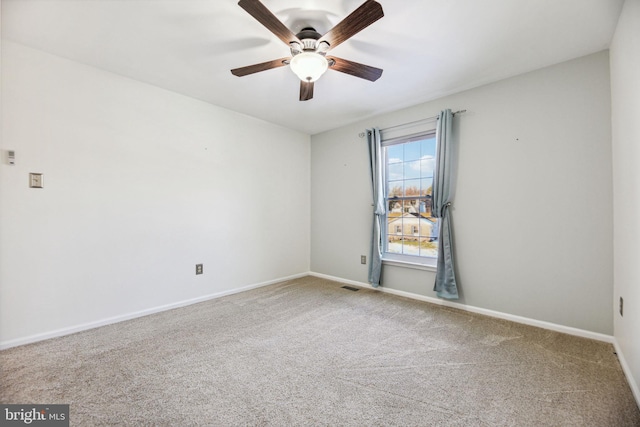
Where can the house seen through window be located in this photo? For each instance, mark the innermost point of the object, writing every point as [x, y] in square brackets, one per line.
[411, 230]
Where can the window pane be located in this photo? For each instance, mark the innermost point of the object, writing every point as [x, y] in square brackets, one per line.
[428, 248]
[394, 206]
[427, 164]
[426, 186]
[412, 150]
[395, 189]
[394, 222]
[412, 187]
[425, 207]
[428, 146]
[411, 206]
[395, 154]
[411, 246]
[395, 172]
[394, 245]
[412, 169]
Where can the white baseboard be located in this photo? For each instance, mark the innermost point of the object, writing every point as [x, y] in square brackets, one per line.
[103, 322]
[627, 372]
[518, 319]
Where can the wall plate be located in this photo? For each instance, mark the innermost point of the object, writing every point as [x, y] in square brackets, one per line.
[36, 180]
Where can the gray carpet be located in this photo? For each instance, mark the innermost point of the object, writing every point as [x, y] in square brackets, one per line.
[307, 352]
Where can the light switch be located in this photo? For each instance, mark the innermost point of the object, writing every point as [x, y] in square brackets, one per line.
[36, 180]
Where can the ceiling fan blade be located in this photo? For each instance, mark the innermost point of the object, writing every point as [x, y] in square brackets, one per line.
[269, 20]
[356, 69]
[368, 13]
[255, 68]
[306, 90]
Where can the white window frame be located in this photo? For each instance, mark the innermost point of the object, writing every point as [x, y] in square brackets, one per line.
[401, 136]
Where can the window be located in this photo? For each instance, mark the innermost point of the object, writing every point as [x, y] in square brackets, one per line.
[411, 230]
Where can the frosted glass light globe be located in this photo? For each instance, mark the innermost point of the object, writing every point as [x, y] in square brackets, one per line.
[309, 66]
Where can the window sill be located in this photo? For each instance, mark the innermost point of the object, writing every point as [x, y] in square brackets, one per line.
[426, 266]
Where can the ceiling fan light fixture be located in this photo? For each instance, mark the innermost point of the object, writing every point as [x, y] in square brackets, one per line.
[309, 66]
[308, 47]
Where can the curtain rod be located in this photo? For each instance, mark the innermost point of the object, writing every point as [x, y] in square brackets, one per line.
[428, 119]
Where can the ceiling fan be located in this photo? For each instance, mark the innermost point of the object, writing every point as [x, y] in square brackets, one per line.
[308, 58]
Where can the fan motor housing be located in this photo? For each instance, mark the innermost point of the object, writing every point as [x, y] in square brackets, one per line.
[309, 38]
[308, 33]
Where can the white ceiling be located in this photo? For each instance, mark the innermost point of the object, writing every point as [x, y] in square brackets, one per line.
[427, 48]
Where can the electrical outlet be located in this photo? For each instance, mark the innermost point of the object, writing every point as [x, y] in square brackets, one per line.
[621, 306]
[198, 268]
[363, 259]
[36, 180]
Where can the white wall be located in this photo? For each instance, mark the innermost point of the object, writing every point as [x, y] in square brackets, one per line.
[140, 185]
[533, 209]
[625, 95]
